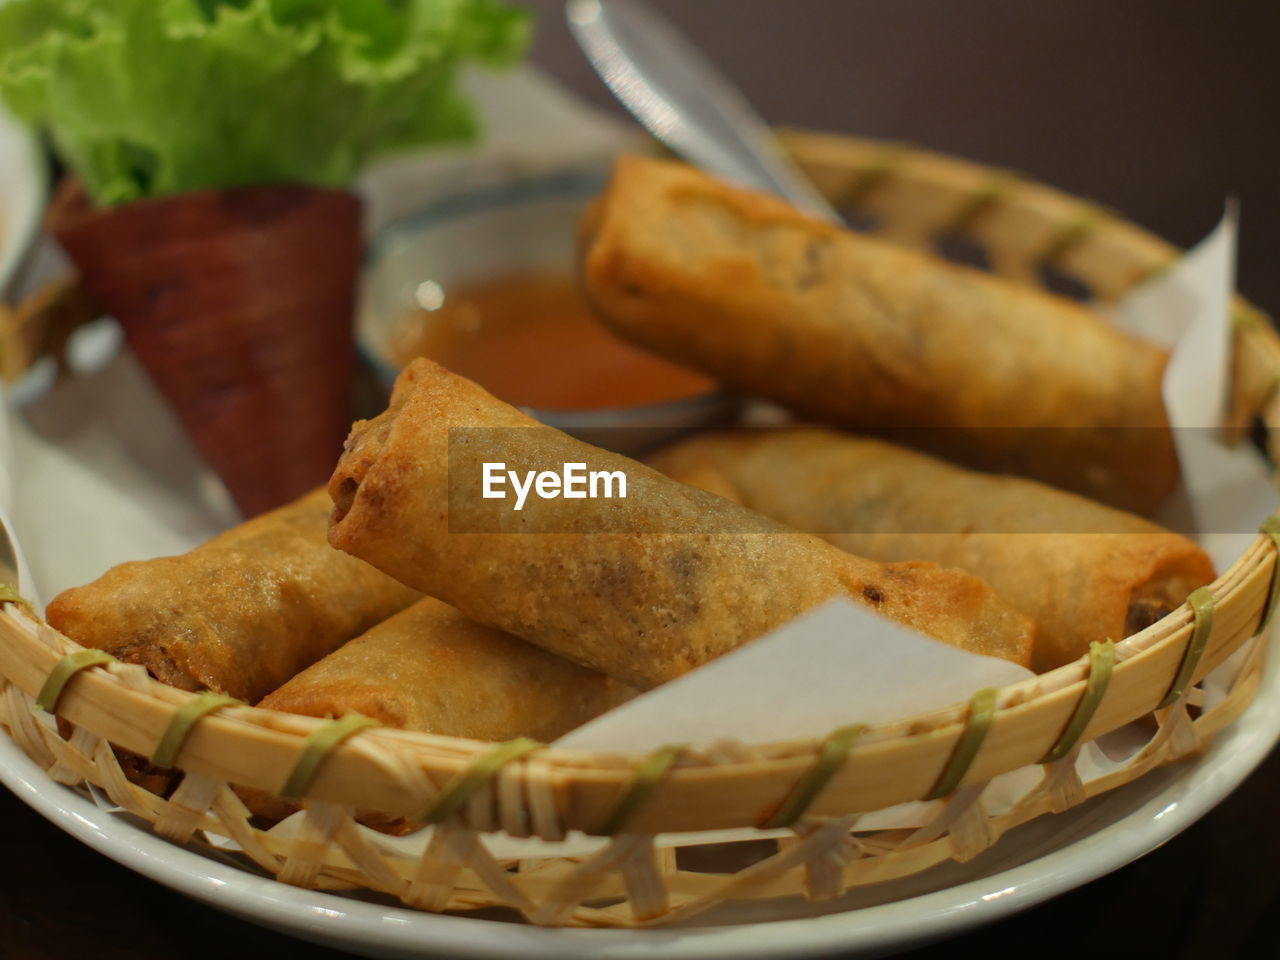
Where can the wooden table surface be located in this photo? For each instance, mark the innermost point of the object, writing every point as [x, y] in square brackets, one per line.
[1158, 109]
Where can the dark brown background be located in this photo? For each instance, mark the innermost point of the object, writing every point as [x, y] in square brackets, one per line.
[1158, 109]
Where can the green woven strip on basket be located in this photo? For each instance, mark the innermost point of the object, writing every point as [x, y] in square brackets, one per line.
[982, 710]
[1203, 604]
[879, 170]
[1272, 387]
[1160, 269]
[831, 757]
[466, 783]
[64, 670]
[9, 594]
[316, 749]
[1070, 234]
[1271, 527]
[647, 777]
[1246, 316]
[184, 720]
[1102, 659]
[978, 203]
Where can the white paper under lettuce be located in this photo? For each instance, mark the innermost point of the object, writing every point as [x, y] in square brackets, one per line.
[103, 473]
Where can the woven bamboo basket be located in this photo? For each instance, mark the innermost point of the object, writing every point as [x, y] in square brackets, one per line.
[808, 794]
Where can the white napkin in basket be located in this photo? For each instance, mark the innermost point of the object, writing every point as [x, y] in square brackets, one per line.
[836, 665]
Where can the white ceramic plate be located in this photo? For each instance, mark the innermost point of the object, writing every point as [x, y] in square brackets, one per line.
[1033, 863]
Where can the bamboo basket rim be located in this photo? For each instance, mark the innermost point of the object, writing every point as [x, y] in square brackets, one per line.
[396, 771]
[29, 649]
[1169, 628]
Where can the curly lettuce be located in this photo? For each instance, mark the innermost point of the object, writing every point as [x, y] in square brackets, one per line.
[153, 97]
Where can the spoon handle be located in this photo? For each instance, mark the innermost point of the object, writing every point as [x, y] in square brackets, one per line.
[684, 101]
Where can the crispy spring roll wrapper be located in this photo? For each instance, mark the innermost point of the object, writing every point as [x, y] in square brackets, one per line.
[1082, 571]
[847, 329]
[240, 614]
[643, 588]
[431, 669]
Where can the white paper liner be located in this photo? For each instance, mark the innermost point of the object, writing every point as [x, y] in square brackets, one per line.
[835, 665]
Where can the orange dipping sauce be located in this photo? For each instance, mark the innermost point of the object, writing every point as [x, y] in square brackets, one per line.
[530, 339]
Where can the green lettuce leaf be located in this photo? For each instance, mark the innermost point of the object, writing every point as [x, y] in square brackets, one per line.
[153, 97]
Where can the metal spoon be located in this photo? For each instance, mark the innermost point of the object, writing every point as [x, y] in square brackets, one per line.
[684, 101]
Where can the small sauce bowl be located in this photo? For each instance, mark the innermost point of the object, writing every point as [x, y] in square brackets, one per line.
[482, 282]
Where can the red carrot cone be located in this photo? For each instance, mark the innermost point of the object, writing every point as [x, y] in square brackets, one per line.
[239, 303]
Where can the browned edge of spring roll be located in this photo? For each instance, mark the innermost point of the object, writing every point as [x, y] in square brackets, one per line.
[1083, 571]
[686, 577]
[851, 330]
[240, 614]
[433, 670]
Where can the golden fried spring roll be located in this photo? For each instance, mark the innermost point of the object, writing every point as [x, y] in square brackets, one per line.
[1082, 571]
[431, 669]
[240, 614]
[847, 329]
[642, 588]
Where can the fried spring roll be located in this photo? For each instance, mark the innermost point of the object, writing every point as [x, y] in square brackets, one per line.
[847, 329]
[431, 669]
[1082, 571]
[240, 614]
[642, 588]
